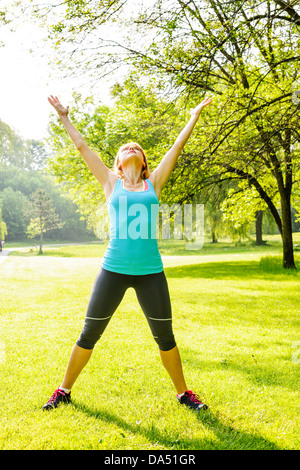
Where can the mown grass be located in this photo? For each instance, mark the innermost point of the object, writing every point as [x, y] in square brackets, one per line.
[168, 247]
[236, 321]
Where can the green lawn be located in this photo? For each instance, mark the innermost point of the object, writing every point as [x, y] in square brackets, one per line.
[236, 321]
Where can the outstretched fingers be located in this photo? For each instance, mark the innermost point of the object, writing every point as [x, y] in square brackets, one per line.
[206, 101]
[61, 110]
[196, 111]
[53, 100]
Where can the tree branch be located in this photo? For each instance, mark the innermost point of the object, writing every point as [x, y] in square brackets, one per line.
[287, 6]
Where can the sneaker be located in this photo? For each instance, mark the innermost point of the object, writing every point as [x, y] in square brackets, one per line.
[191, 400]
[59, 396]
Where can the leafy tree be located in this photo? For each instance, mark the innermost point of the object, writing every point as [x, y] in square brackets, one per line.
[69, 169]
[22, 171]
[245, 52]
[242, 204]
[24, 154]
[14, 203]
[43, 216]
[137, 114]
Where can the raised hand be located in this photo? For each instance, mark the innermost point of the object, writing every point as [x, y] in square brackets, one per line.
[197, 110]
[59, 108]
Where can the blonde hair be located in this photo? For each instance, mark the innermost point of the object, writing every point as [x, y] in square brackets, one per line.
[117, 167]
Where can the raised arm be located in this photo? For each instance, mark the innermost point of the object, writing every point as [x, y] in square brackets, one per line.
[95, 164]
[161, 174]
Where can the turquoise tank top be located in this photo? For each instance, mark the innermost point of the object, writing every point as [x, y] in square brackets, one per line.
[133, 247]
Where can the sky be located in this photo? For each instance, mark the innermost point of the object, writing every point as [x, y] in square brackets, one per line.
[26, 80]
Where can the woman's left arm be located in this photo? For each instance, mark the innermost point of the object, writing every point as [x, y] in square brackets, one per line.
[161, 174]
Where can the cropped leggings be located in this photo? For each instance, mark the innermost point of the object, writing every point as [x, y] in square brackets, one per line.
[109, 288]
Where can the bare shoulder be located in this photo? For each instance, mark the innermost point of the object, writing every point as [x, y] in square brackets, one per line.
[154, 181]
[110, 184]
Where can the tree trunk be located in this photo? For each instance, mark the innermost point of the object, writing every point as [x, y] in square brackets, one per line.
[258, 227]
[41, 243]
[287, 234]
[214, 238]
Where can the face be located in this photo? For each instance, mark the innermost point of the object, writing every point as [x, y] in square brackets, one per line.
[128, 151]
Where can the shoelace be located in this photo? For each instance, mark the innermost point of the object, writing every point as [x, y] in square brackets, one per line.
[194, 398]
[56, 395]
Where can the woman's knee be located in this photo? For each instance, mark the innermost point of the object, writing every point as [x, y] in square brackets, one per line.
[89, 337]
[166, 343]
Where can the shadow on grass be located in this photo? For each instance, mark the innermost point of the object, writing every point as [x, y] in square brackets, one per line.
[242, 270]
[257, 374]
[227, 436]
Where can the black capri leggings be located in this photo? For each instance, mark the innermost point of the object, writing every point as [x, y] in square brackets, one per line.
[109, 288]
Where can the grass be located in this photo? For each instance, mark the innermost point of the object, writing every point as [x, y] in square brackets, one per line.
[169, 247]
[236, 320]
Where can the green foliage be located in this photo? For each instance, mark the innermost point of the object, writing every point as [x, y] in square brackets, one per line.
[241, 204]
[13, 204]
[24, 154]
[21, 173]
[17, 185]
[42, 216]
[138, 114]
[68, 166]
[248, 61]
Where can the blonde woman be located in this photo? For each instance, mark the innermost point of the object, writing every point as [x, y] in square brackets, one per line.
[132, 258]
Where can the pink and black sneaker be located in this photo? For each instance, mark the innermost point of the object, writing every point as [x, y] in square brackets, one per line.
[191, 400]
[58, 397]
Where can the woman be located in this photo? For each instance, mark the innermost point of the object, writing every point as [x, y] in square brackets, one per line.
[132, 258]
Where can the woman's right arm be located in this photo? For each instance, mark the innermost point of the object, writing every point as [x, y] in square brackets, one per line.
[102, 173]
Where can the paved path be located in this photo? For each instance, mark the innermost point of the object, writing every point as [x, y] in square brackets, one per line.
[170, 260]
[4, 254]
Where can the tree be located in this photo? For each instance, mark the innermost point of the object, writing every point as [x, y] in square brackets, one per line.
[14, 203]
[43, 216]
[24, 154]
[137, 114]
[23, 171]
[245, 52]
